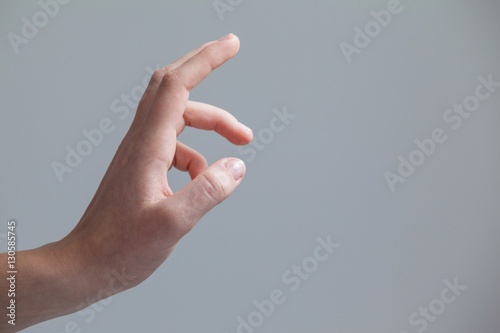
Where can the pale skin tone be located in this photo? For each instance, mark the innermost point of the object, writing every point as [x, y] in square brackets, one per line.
[135, 220]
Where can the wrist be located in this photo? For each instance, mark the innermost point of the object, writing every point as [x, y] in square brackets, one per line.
[75, 271]
[86, 276]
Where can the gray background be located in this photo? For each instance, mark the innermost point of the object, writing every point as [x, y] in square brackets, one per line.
[323, 175]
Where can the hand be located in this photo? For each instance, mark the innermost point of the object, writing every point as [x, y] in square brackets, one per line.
[135, 220]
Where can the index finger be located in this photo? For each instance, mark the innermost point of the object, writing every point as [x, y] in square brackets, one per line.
[148, 96]
[198, 67]
[171, 97]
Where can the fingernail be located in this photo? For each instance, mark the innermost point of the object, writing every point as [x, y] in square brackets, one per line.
[246, 128]
[226, 37]
[236, 167]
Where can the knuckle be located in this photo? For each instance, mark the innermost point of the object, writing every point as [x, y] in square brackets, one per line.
[168, 68]
[171, 78]
[157, 77]
[211, 187]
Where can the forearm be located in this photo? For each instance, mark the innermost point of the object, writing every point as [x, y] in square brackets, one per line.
[44, 288]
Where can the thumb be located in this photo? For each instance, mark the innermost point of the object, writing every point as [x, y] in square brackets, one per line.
[209, 189]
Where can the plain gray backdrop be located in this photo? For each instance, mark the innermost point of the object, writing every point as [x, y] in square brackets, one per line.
[321, 175]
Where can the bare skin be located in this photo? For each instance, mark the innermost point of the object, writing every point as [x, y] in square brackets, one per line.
[135, 220]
